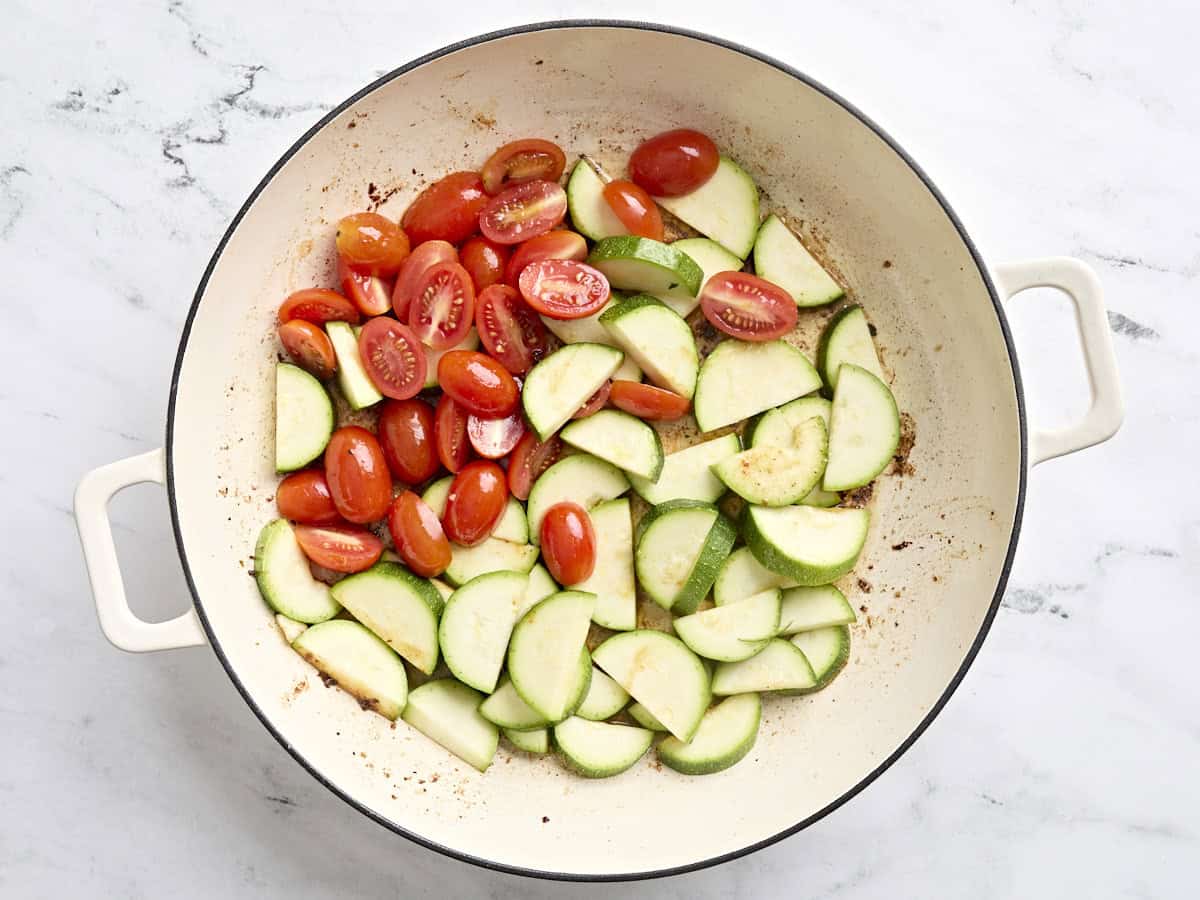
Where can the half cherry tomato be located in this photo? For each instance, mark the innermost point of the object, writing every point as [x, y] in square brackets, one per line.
[393, 357]
[674, 163]
[478, 383]
[495, 438]
[484, 261]
[523, 211]
[304, 497]
[563, 288]
[357, 475]
[318, 305]
[529, 160]
[509, 330]
[444, 306]
[450, 434]
[633, 206]
[530, 458]
[408, 279]
[447, 210]
[372, 244]
[595, 403]
[309, 346]
[568, 543]
[647, 401]
[476, 502]
[406, 437]
[339, 548]
[370, 293]
[418, 535]
[747, 307]
[551, 245]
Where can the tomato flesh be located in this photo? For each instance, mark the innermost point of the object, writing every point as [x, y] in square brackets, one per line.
[309, 346]
[418, 535]
[634, 207]
[412, 273]
[563, 288]
[318, 305]
[551, 245]
[595, 402]
[450, 434]
[478, 383]
[393, 357]
[372, 244]
[531, 159]
[484, 261]
[509, 330]
[476, 502]
[370, 293]
[568, 543]
[406, 438]
[444, 307]
[447, 210]
[674, 163]
[530, 458]
[647, 401]
[495, 438]
[338, 548]
[357, 475]
[304, 497]
[523, 211]
[747, 307]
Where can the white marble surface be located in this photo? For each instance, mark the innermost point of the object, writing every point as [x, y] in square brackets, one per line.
[1069, 762]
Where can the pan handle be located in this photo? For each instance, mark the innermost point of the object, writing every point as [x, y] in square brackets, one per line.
[1079, 282]
[118, 622]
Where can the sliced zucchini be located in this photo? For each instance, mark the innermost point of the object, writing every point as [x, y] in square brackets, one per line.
[822, 498]
[712, 258]
[361, 664]
[540, 586]
[303, 418]
[680, 548]
[506, 708]
[827, 651]
[589, 330]
[809, 545]
[590, 213]
[810, 608]
[864, 429]
[687, 474]
[493, 555]
[582, 479]
[289, 628]
[399, 607]
[433, 357]
[778, 476]
[285, 580]
[605, 698]
[447, 711]
[742, 576]
[543, 655]
[724, 208]
[561, 383]
[612, 580]
[779, 666]
[777, 427]
[642, 265]
[444, 590]
[357, 386]
[732, 632]
[740, 379]
[726, 734]
[780, 258]
[662, 674]
[619, 438]
[642, 716]
[476, 626]
[847, 339]
[535, 741]
[658, 340]
[600, 749]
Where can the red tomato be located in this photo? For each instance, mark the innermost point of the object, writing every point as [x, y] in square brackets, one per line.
[309, 347]
[595, 403]
[748, 307]
[509, 330]
[568, 543]
[372, 244]
[529, 460]
[318, 305]
[495, 438]
[444, 306]
[447, 210]
[408, 280]
[393, 357]
[647, 401]
[563, 288]
[475, 503]
[484, 261]
[634, 207]
[674, 163]
[370, 293]
[478, 383]
[357, 475]
[531, 159]
[551, 245]
[418, 535]
[450, 434]
[523, 211]
[339, 548]
[406, 437]
[304, 497]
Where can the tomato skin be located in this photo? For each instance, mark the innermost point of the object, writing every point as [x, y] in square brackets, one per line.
[318, 305]
[418, 535]
[509, 330]
[339, 548]
[475, 503]
[551, 245]
[523, 211]
[634, 207]
[674, 163]
[393, 357]
[563, 288]
[372, 294]
[568, 543]
[406, 438]
[408, 279]
[747, 307]
[309, 347]
[530, 458]
[478, 383]
[450, 434]
[495, 438]
[443, 308]
[648, 402]
[357, 475]
[304, 497]
[484, 261]
[595, 402]
[372, 244]
[531, 159]
[447, 210]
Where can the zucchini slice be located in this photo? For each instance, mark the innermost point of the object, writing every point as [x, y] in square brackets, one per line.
[535, 741]
[361, 664]
[726, 734]
[847, 339]
[588, 330]
[776, 427]
[687, 474]
[646, 266]
[809, 545]
[605, 698]
[712, 258]
[399, 607]
[680, 548]
[285, 580]
[543, 655]
[590, 213]
[357, 386]
[540, 586]
[780, 258]
[493, 555]
[303, 418]
[561, 383]
[743, 576]
[811, 608]
[735, 631]
[289, 628]
[600, 749]
[740, 379]
[582, 479]
[476, 626]
[778, 476]
[612, 580]
[864, 429]
[619, 438]
[724, 208]
[447, 711]
[642, 716]
[780, 666]
[505, 708]
[827, 651]
[658, 340]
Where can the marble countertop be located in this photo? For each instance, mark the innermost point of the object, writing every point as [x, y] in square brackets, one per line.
[1068, 764]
